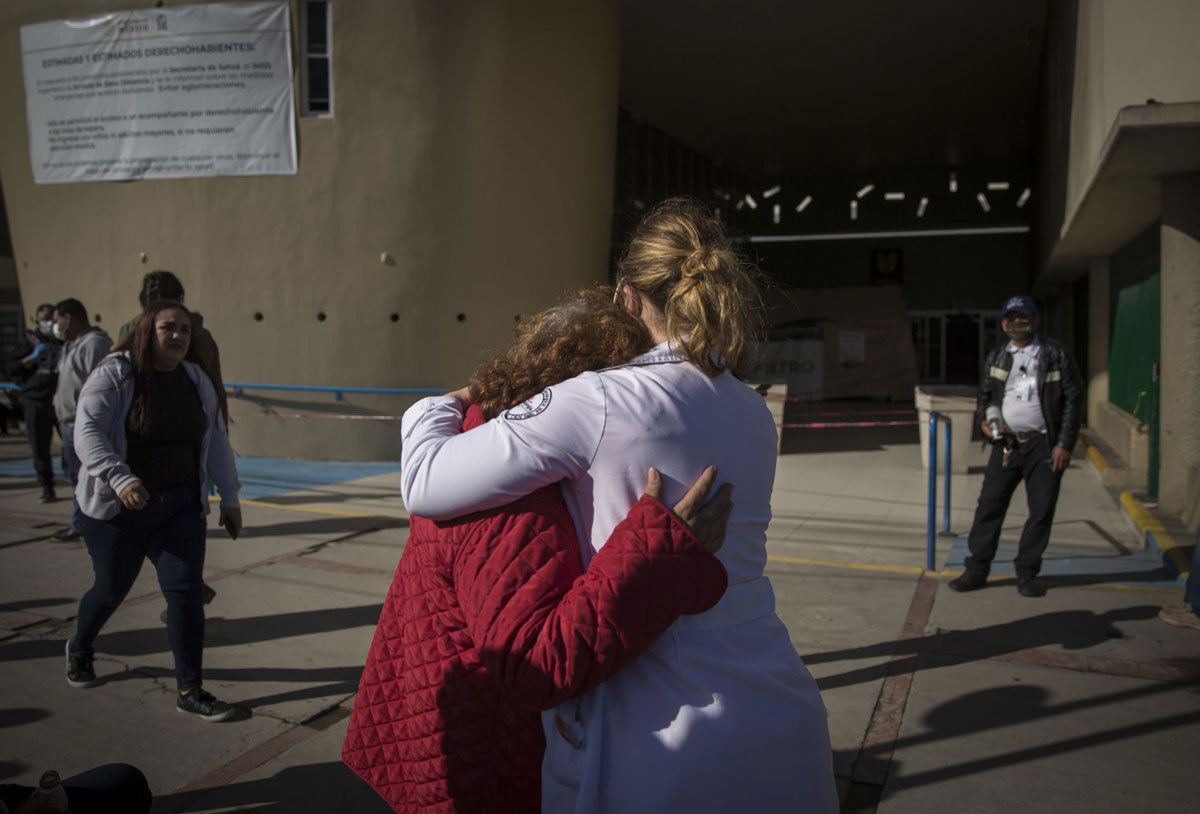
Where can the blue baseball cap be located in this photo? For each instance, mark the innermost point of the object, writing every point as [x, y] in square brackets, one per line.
[1020, 304]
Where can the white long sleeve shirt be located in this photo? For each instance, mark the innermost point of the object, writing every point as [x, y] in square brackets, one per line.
[720, 714]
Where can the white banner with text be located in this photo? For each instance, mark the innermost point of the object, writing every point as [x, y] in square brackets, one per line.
[180, 92]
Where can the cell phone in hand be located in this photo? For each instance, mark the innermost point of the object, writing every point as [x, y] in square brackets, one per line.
[229, 527]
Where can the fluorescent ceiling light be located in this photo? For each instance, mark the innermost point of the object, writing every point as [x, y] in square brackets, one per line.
[893, 196]
[800, 207]
[865, 191]
[750, 202]
[775, 212]
[997, 186]
[1024, 199]
[767, 193]
[983, 202]
[954, 182]
[741, 202]
[921, 207]
[854, 210]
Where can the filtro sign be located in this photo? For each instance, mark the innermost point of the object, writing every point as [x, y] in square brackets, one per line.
[189, 91]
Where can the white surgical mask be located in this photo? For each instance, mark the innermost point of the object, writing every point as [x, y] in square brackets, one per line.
[58, 333]
[46, 327]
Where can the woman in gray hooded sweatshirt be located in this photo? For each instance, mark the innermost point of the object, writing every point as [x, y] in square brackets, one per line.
[151, 438]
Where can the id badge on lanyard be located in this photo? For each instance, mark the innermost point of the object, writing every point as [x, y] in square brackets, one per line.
[1027, 386]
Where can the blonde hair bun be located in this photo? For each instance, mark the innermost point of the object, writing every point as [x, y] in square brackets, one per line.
[681, 259]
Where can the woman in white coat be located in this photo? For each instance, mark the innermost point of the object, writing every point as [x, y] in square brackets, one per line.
[720, 713]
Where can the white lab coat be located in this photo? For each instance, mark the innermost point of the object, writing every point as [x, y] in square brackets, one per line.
[719, 714]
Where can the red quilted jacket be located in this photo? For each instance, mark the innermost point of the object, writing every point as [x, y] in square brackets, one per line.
[491, 618]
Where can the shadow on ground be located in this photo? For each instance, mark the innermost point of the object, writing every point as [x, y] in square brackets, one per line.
[316, 787]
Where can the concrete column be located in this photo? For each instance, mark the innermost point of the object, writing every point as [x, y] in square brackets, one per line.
[1179, 389]
[1099, 338]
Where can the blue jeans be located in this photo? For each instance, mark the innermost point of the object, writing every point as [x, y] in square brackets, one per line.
[1191, 594]
[171, 532]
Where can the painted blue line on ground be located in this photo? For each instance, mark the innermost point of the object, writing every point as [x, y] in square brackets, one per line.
[1137, 569]
[264, 477]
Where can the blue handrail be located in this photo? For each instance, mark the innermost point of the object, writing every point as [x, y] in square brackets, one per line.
[930, 545]
[7, 386]
[238, 387]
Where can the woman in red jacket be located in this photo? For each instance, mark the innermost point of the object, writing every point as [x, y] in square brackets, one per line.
[491, 617]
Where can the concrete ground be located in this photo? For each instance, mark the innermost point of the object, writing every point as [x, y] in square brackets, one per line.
[1078, 701]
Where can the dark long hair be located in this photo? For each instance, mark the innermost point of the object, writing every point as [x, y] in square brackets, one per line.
[140, 344]
[587, 331]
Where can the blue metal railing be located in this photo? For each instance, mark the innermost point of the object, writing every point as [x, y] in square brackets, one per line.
[238, 387]
[930, 545]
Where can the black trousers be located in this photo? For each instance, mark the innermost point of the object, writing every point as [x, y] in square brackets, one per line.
[1029, 462]
[39, 426]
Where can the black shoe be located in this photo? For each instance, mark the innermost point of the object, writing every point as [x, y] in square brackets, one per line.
[79, 667]
[48, 495]
[203, 705]
[67, 535]
[969, 581]
[1029, 586]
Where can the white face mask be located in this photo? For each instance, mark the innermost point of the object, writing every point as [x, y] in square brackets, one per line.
[58, 333]
[46, 327]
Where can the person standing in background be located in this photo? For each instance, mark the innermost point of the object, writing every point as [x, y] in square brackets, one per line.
[164, 285]
[32, 365]
[86, 345]
[1030, 405]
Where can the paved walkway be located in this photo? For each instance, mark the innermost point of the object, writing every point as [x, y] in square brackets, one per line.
[1078, 701]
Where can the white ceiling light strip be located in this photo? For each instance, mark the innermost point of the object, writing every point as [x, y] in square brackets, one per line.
[994, 230]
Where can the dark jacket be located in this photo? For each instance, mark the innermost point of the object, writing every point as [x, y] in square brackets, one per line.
[40, 381]
[1059, 386]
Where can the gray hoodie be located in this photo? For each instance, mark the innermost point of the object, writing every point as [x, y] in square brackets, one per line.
[101, 445]
[78, 358]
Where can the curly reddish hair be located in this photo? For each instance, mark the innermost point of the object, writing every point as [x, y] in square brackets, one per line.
[587, 331]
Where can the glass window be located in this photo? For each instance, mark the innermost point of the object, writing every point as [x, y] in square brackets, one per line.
[316, 67]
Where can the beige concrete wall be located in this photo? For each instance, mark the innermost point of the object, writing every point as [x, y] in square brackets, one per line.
[471, 147]
[1125, 53]
[1179, 393]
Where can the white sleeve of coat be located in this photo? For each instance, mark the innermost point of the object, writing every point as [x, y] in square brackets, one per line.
[551, 437]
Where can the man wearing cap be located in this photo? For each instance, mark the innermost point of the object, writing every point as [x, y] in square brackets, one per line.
[1033, 395]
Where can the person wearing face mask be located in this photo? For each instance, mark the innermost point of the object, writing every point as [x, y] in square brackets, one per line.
[1030, 404]
[86, 345]
[33, 365]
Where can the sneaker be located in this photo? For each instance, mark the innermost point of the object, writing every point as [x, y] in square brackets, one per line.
[1180, 615]
[80, 672]
[1027, 585]
[203, 705]
[67, 535]
[969, 581]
